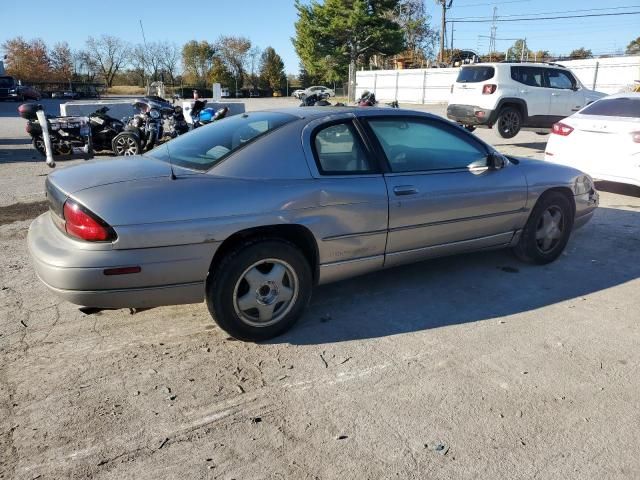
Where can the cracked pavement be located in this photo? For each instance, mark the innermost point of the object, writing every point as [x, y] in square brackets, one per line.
[476, 366]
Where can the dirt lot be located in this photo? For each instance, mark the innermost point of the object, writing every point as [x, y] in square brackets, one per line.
[472, 367]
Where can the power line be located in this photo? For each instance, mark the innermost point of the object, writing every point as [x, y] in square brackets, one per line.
[548, 13]
[491, 3]
[531, 19]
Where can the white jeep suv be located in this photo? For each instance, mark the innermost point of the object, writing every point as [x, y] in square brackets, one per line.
[515, 96]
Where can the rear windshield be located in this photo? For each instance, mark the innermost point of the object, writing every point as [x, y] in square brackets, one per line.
[203, 148]
[615, 107]
[475, 74]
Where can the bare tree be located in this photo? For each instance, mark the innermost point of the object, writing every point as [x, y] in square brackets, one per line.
[234, 52]
[169, 56]
[109, 54]
[61, 60]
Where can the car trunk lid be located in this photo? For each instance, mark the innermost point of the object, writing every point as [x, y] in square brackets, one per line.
[105, 172]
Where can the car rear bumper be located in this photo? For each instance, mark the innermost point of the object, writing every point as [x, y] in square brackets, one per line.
[168, 275]
[470, 115]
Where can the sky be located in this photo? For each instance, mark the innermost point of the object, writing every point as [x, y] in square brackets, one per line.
[271, 23]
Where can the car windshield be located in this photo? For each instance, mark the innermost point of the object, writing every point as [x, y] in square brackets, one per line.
[615, 107]
[203, 148]
[475, 74]
[6, 82]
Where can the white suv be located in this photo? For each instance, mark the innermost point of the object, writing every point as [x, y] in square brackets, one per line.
[515, 96]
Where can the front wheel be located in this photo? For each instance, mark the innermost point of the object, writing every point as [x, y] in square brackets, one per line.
[125, 144]
[469, 128]
[547, 231]
[260, 290]
[509, 122]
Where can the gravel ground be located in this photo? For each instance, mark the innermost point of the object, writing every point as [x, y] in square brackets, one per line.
[469, 367]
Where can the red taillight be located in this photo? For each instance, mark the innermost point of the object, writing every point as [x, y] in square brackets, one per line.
[635, 136]
[488, 89]
[79, 223]
[561, 129]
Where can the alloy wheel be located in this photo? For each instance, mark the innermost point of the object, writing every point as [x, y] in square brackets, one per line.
[265, 292]
[126, 146]
[509, 122]
[550, 229]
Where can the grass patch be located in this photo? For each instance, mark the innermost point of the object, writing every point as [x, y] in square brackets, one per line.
[126, 90]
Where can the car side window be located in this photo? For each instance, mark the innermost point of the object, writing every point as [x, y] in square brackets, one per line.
[560, 79]
[532, 76]
[339, 151]
[413, 145]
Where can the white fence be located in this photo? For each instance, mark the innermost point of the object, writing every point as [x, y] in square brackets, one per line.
[433, 85]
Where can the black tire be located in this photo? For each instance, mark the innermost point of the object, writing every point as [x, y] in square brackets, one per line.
[532, 246]
[509, 122]
[125, 144]
[225, 286]
[469, 128]
[542, 133]
[38, 144]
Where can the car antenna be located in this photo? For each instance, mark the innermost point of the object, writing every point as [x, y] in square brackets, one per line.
[173, 175]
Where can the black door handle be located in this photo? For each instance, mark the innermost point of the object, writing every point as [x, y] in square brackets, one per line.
[405, 190]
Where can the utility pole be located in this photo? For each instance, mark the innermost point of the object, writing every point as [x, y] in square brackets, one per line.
[524, 47]
[492, 38]
[446, 5]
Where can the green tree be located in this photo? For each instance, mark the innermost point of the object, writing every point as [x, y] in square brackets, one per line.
[197, 60]
[519, 51]
[541, 55]
[580, 53]
[634, 47]
[272, 70]
[219, 73]
[334, 36]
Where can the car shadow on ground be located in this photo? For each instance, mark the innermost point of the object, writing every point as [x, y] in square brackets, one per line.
[619, 188]
[472, 287]
[538, 146]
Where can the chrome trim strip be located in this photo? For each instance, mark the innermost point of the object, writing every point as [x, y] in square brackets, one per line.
[353, 260]
[463, 219]
[353, 235]
[461, 242]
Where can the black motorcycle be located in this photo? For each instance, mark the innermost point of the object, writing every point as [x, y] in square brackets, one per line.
[315, 100]
[97, 131]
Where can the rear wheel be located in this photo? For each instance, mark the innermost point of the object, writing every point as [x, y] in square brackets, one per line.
[125, 144]
[469, 128]
[259, 290]
[38, 144]
[547, 231]
[509, 122]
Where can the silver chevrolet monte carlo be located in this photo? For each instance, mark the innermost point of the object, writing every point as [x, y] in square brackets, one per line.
[250, 212]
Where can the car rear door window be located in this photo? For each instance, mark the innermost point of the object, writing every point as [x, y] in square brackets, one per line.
[532, 76]
[340, 151]
[615, 107]
[416, 145]
[475, 74]
[560, 79]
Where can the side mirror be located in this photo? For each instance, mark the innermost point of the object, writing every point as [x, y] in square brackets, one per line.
[495, 161]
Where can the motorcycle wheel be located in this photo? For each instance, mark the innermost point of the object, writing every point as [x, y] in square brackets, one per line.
[125, 144]
[38, 144]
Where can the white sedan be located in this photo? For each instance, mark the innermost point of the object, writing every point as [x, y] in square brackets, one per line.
[319, 90]
[602, 139]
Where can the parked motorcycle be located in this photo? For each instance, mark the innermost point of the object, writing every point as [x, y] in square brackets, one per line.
[368, 99]
[315, 100]
[94, 132]
[144, 129]
[202, 116]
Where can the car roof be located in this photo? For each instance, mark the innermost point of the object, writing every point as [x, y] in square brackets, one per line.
[313, 113]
